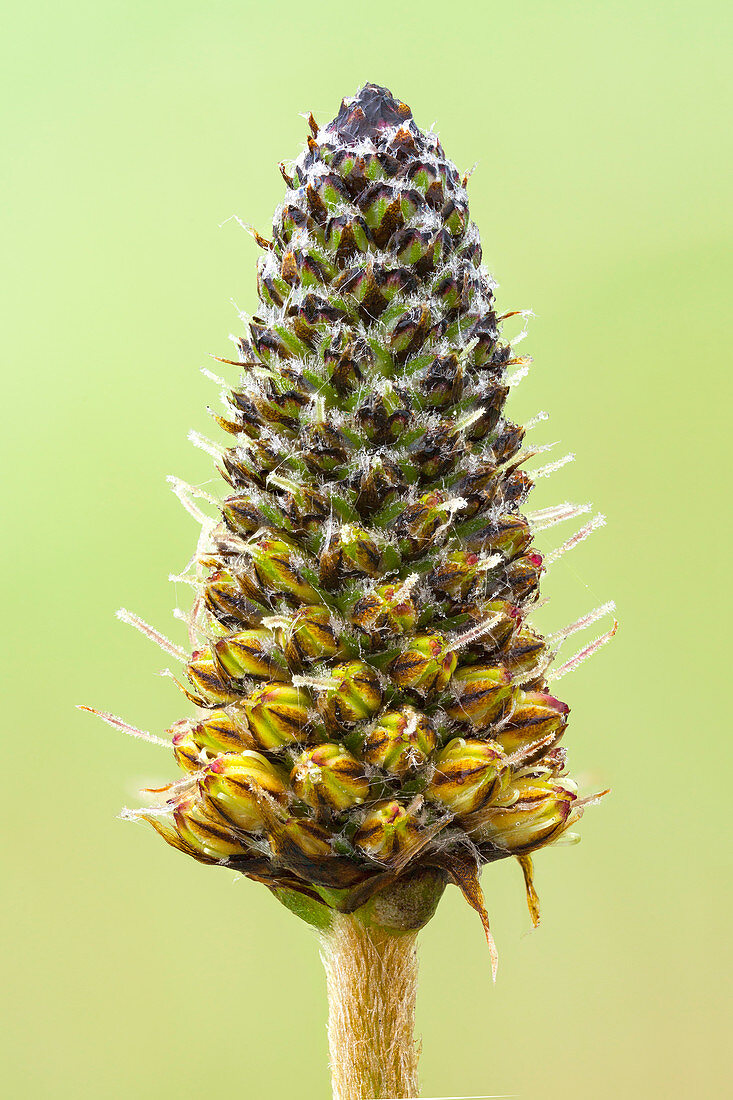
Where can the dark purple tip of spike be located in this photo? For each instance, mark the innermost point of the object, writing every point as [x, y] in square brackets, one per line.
[371, 111]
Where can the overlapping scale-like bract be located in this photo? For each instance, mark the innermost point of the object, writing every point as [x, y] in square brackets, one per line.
[376, 704]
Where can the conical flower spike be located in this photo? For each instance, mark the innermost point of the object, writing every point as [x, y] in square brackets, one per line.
[378, 718]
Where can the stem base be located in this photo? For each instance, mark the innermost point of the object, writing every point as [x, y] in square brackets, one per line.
[372, 983]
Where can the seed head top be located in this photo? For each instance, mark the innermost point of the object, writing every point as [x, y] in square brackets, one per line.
[368, 114]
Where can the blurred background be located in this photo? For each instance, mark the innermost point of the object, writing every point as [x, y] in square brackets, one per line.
[133, 132]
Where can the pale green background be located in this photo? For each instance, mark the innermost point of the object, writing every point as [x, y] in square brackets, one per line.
[132, 132]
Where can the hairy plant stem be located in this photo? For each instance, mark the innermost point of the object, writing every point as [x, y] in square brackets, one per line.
[372, 983]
